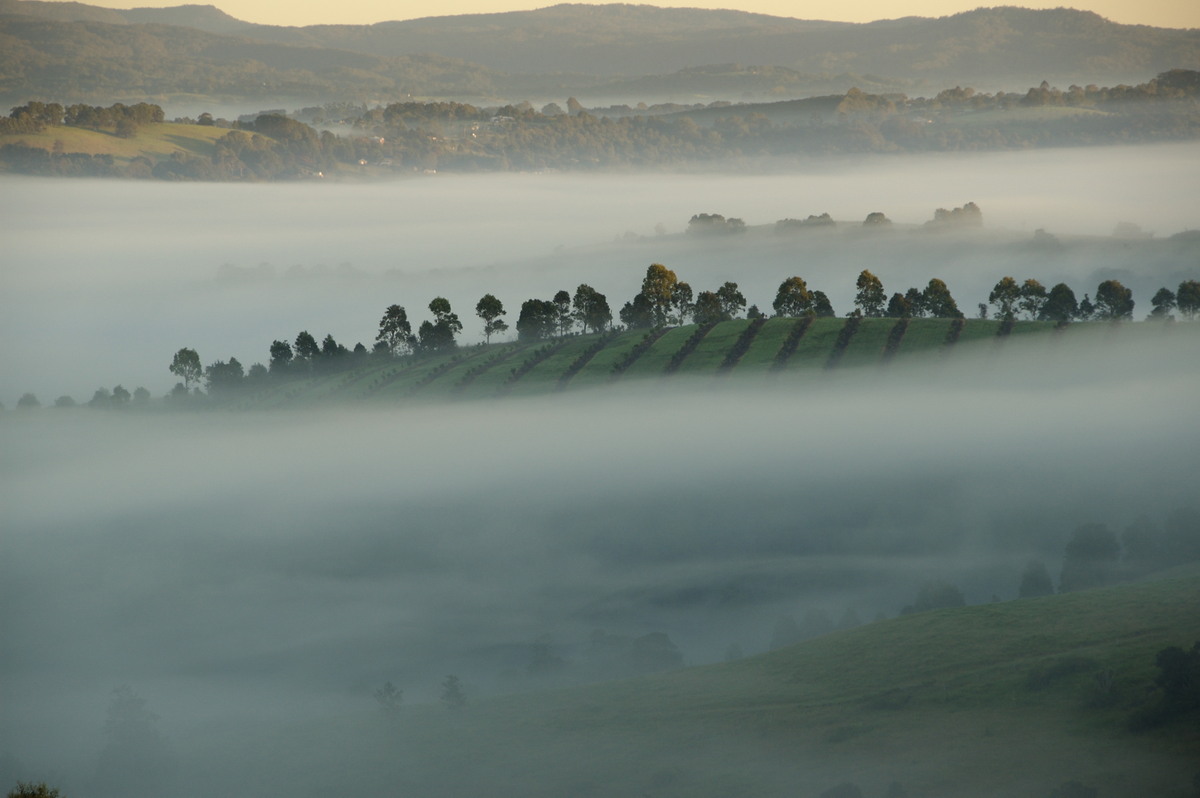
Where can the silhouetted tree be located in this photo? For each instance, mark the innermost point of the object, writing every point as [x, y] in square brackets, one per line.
[306, 350]
[708, 309]
[731, 299]
[28, 402]
[899, 307]
[186, 366]
[1060, 305]
[1187, 298]
[221, 377]
[490, 310]
[915, 298]
[439, 335]
[395, 332]
[281, 357]
[538, 319]
[1163, 303]
[563, 317]
[1113, 301]
[821, 306]
[591, 309]
[937, 301]
[639, 313]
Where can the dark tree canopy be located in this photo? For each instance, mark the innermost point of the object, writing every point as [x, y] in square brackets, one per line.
[731, 300]
[937, 301]
[1060, 304]
[186, 366]
[591, 309]
[395, 331]
[538, 319]
[1114, 301]
[439, 335]
[1187, 298]
[490, 310]
[793, 298]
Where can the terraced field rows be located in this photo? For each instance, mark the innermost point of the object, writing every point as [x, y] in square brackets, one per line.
[580, 362]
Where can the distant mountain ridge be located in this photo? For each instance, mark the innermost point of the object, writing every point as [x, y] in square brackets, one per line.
[572, 47]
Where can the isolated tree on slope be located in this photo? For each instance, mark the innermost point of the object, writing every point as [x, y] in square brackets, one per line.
[490, 310]
[395, 331]
[439, 334]
[186, 366]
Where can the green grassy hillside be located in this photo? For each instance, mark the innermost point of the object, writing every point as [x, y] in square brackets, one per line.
[1004, 699]
[575, 363]
[154, 141]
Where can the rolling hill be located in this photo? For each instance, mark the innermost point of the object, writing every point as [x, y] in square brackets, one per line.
[783, 350]
[1018, 698]
[71, 51]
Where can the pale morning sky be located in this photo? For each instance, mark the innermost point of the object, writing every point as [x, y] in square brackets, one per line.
[1163, 13]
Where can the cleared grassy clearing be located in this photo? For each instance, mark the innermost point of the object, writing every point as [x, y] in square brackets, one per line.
[156, 140]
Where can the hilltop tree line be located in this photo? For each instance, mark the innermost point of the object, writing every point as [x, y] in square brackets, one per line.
[664, 300]
[462, 137]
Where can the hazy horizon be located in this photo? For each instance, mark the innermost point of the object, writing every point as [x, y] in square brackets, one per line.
[1159, 13]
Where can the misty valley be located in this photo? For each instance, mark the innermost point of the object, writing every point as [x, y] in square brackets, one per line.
[447, 597]
[598, 401]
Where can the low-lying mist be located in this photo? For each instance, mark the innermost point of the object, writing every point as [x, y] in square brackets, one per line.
[101, 282]
[268, 567]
